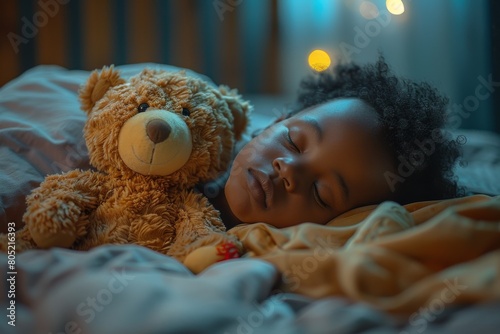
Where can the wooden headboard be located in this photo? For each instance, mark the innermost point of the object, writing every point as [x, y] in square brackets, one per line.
[232, 41]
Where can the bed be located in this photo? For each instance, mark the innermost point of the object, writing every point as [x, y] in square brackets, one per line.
[131, 289]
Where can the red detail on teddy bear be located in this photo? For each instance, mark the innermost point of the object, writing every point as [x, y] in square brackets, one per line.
[228, 250]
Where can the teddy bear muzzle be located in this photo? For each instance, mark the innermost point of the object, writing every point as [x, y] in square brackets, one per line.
[156, 142]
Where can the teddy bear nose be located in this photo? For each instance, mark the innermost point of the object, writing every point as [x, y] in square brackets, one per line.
[158, 130]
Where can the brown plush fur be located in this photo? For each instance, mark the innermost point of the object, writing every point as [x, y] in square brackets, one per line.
[115, 204]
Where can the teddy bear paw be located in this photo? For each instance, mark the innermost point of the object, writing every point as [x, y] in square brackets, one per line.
[203, 257]
[53, 226]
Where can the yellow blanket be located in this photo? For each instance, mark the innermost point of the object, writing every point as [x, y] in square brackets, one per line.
[399, 259]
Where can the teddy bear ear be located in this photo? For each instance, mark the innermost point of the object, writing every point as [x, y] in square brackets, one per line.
[239, 108]
[97, 85]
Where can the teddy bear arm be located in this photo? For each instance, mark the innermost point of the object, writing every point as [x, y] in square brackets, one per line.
[197, 218]
[201, 239]
[57, 210]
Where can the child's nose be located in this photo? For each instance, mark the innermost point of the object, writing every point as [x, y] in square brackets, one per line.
[290, 171]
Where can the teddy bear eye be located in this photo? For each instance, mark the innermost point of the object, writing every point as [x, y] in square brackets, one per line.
[186, 112]
[143, 107]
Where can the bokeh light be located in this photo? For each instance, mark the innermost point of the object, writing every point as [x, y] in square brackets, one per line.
[319, 60]
[368, 10]
[395, 7]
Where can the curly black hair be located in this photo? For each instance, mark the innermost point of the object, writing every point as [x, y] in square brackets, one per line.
[412, 115]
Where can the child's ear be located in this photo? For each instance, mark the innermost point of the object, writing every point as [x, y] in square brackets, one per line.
[97, 85]
[239, 108]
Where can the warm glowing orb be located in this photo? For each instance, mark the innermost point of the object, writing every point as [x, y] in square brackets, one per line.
[368, 10]
[395, 7]
[319, 60]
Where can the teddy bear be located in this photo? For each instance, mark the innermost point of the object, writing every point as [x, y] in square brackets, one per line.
[151, 139]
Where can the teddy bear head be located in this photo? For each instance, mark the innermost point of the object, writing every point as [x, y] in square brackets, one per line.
[161, 124]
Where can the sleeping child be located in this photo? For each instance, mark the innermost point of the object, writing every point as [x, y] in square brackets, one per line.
[358, 135]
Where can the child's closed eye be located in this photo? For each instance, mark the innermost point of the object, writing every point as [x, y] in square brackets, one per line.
[289, 141]
[318, 198]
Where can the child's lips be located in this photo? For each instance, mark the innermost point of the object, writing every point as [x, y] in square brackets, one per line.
[260, 186]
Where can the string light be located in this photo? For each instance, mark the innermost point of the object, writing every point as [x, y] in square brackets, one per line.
[395, 7]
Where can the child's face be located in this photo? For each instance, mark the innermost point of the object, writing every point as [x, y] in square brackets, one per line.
[311, 167]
